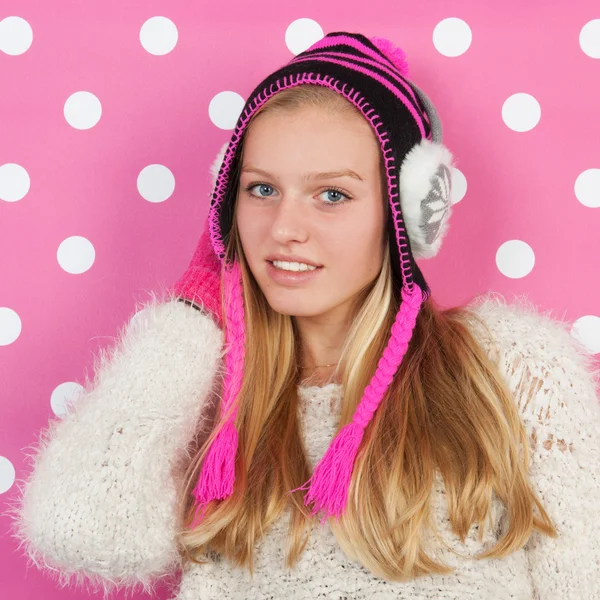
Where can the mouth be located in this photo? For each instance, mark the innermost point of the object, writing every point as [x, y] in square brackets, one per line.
[283, 277]
[316, 267]
[300, 261]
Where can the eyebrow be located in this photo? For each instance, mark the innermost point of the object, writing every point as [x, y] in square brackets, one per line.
[313, 175]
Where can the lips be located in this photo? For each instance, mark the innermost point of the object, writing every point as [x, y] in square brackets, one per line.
[284, 277]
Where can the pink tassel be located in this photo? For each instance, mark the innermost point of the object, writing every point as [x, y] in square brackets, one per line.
[218, 470]
[393, 52]
[330, 481]
[217, 477]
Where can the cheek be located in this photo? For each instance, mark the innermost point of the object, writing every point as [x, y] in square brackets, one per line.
[360, 250]
[250, 232]
[243, 219]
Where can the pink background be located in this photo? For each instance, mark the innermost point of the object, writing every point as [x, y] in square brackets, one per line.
[527, 188]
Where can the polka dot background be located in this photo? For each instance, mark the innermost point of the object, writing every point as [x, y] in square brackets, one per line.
[111, 114]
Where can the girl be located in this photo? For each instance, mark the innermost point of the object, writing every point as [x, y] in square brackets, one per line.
[297, 417]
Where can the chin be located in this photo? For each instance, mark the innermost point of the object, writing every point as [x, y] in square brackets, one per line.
[292, 309]
[288, 301]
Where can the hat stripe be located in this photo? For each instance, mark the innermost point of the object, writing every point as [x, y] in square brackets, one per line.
[382, 80]
[332, 41]
[383, 70]
[346, 46]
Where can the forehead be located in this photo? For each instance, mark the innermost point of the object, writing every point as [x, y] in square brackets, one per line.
[312, 145]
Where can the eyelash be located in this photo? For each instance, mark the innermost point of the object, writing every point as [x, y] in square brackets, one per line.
[329, 189]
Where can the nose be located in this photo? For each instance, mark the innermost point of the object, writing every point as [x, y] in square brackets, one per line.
[289, 220]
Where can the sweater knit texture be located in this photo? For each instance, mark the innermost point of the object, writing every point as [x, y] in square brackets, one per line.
[97, 510]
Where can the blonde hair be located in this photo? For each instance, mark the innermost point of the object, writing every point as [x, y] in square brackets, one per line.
[447, 409]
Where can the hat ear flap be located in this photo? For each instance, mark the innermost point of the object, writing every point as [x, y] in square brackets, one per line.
[425, 196]
[216, 165]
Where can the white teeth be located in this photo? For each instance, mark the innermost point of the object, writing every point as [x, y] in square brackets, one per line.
[293, 266]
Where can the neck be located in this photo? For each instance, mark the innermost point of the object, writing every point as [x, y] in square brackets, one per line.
[318, 360]
[321, 339]
[318, 350]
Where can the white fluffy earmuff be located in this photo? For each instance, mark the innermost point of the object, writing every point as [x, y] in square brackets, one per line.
[425, 183]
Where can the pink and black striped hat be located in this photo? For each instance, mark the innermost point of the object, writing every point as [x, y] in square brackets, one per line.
[372, 74]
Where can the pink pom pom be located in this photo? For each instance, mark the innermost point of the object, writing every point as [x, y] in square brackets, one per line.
[393, 52]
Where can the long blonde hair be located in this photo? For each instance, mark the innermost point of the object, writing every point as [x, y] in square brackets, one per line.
[447, 409]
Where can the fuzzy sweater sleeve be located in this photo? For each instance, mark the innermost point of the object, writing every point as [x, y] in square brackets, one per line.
[555, 384]
[98, 506]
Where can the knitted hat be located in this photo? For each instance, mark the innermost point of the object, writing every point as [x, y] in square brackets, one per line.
[372, 74]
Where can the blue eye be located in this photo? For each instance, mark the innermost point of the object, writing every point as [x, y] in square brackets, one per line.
[337, 191]
[253, 185]
[327, 203]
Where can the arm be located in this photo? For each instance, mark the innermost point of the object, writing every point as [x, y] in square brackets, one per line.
[99, 504]
[554, 381]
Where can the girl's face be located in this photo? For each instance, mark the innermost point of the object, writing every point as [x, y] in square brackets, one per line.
[290, 210]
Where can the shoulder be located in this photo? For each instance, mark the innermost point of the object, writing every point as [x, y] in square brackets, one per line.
[518, 327]
[553, 377]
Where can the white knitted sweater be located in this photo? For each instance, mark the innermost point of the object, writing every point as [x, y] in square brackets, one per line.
[98, 507]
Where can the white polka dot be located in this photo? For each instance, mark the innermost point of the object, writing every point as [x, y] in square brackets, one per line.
[155, 183]
[7, 474]
[14, 182]
[16, 35]
[301, 34]
[515, 259]
[82, 110]
[225, 108]
[139, 320]
[587, 188]
[452, 37]
[158, 35]
[459, 185]
[76, 255]
[10, 326]
[587, 330]
[589, 38]
[521, 112]
[64, 395]
[133, 322]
